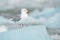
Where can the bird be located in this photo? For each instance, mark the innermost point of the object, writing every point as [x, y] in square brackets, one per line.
[28, 20]
[25, 20]
[23, 15]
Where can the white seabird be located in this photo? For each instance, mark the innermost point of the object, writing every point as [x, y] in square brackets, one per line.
[28, 20]
[25, 19]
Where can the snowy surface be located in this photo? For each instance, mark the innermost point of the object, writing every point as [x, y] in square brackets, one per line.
[3, 28]
[55, 37]
[27, 33]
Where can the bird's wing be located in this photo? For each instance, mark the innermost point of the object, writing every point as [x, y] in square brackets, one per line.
[16, 19]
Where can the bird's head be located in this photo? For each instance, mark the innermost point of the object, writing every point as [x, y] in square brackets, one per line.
[24, 10]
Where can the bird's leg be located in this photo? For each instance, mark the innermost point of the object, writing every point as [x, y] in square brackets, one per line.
[23, 25]
[20, 25]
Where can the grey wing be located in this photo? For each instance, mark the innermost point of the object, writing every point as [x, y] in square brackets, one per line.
[16, 19]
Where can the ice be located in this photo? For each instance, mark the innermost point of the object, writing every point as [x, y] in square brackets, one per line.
[56, 37]
[3, 20]
[54, 22]
[37, 32]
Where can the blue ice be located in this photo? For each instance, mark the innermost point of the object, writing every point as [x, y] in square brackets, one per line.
[54, 22]
[36, 32]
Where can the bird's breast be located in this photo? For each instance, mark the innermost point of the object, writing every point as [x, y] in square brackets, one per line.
[24, 15]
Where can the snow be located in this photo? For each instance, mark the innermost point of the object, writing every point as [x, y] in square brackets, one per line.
[3, 28]
[37, 32]
[56, 37]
